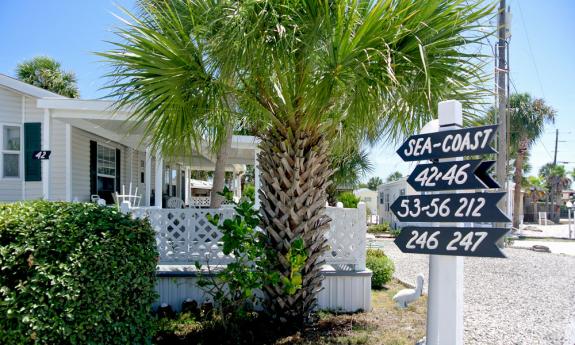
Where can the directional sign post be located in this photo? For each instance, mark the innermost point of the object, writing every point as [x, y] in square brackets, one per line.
[451, 241]
[461, 207]
[448, 144]
[471, 174]
[446, 243]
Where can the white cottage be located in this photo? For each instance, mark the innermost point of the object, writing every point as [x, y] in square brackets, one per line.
[387, 193]
[91, 154]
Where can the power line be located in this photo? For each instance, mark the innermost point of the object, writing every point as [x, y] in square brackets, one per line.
[530, 49]
[545, 147]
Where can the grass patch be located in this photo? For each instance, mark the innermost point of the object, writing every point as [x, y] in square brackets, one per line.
[386, 324]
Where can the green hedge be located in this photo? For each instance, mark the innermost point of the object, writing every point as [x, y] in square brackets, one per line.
[381, 266]
[348, 199]
[379, 228]
[73, 273]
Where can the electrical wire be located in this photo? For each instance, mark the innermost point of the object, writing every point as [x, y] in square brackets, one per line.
[532, 56]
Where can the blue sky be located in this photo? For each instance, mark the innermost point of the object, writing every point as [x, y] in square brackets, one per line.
[542, 57]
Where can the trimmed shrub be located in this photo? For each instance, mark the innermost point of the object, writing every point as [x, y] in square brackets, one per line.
[75, 273]
[379, 228]
[348, 199]
[381, 266]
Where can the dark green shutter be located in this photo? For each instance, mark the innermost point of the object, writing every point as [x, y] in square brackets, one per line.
[32, 142]
[118, 174]
[93, 167]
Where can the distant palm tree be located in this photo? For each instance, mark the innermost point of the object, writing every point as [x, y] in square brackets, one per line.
[534, 188]
[45, 72]
[310, 71]
[556, 181]
[528, 117]
[350, 165]
[374, 182]
[394, 176]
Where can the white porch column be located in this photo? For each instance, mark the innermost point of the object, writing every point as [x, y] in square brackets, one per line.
[68, 162]
[257, 179]
[159, 180]
[239, 185]
[187, 186]
[147, 178]
[46, 162]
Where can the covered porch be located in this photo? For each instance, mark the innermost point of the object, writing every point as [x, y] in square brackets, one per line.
[105, 155]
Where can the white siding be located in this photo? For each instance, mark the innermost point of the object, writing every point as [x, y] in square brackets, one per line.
[10, 106]
[10, 112]
[33, 113]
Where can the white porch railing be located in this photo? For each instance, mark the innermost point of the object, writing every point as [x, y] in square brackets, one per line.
[185, 236]
[202, 201]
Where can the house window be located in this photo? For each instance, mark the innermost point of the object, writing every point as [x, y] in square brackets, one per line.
[106, 169]
[387, 202]
[402, 192]
[11, 151]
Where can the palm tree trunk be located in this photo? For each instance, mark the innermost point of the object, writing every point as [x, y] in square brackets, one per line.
[220, 170]
[295, 173]
[517, 190]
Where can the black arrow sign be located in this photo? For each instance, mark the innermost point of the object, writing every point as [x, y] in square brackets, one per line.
[464, 207]
[446, 144]
[451, 241]
[471, 174]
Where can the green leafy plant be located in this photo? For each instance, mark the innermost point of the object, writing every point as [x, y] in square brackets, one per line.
[381, 266]
[348, 199]
[234, 289]
[380, 228]
[75, 273]
[250, 192]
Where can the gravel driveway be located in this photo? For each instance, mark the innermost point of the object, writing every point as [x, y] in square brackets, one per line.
[528, 298]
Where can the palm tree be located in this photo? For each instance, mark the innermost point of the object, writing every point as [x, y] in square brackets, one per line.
[374, 182]
[556, 180]
[47, 73]
[534, 188]
[349, 164]
[310, 72]
[527, 122]
[394, 176]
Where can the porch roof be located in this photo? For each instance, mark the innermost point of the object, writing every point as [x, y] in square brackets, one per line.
[99, 117]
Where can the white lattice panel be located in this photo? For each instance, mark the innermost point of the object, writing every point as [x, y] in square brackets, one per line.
[185, 235]
[199, 201]
[346, 236]
[204, 201]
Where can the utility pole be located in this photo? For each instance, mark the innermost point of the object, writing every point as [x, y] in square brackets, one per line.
[554, 178]
[556, 141]
[502, 71]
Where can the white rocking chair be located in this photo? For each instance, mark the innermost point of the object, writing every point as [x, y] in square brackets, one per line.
[175, 202]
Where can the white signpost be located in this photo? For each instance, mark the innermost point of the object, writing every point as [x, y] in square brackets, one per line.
[447, 244]
[445, 299]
